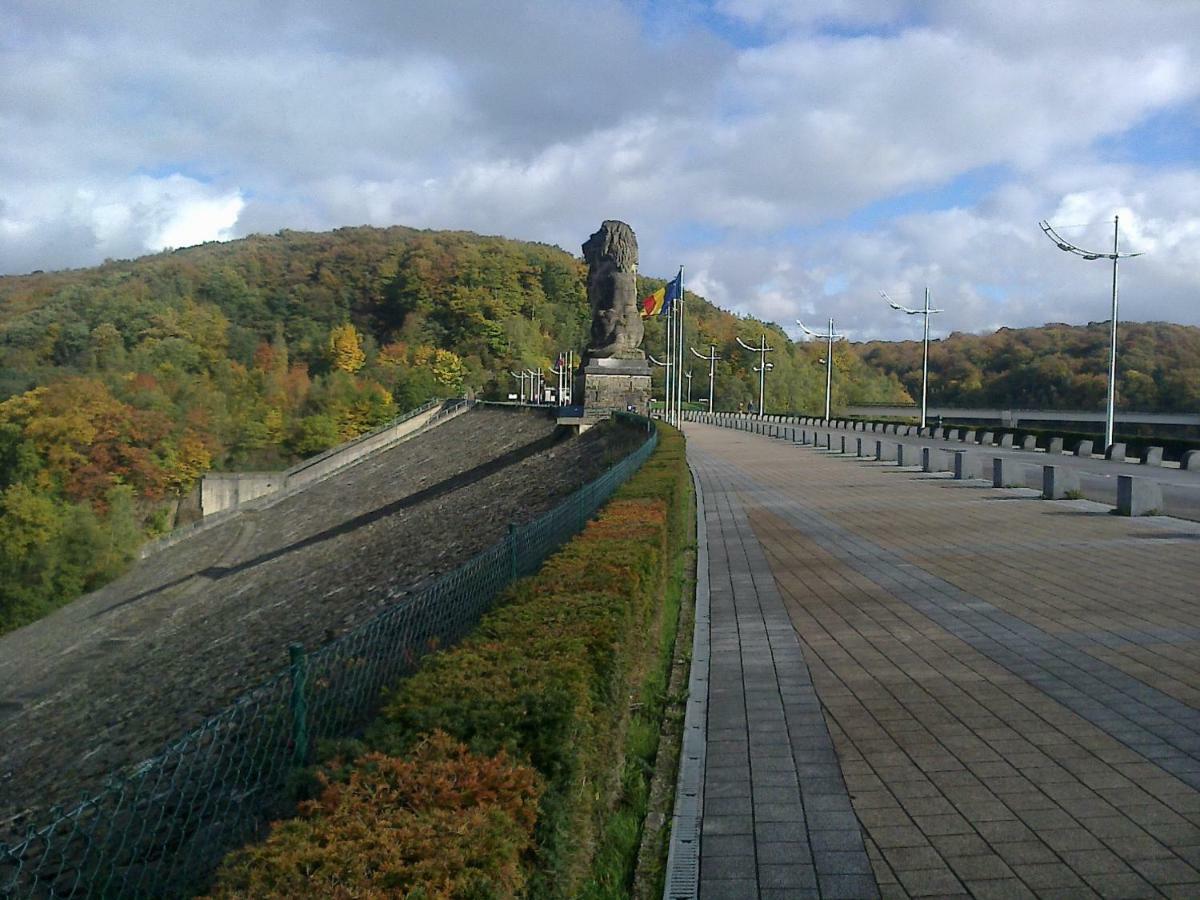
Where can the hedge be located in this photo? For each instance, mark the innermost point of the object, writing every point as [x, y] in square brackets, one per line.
[544, 685]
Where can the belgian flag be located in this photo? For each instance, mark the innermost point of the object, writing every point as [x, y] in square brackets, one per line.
[659, 303]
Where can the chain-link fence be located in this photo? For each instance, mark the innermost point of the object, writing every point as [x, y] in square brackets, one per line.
[161, 827]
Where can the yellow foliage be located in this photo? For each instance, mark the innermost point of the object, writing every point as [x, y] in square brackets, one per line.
[448, 368]
[345, 348]
[192, 460]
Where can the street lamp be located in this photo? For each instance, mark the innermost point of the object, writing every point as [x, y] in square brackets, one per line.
[829, 336]
[520, 376]
[668, 365]
[563, 371]
[761, 369]
[1112, 342]
[688, 376]
[926, 312]
[712, 369]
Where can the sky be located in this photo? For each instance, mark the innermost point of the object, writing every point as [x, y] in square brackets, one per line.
[795, 157]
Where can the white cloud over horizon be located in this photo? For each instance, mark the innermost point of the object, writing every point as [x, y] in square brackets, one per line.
[796, 157]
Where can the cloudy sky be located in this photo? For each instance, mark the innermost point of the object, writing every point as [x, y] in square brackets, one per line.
[795, 156]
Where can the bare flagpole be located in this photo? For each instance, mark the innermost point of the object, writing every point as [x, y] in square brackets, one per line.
[679, 355]
[669, 385]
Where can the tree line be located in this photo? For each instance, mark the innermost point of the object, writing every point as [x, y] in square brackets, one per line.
[122, 384]
[1055, 366]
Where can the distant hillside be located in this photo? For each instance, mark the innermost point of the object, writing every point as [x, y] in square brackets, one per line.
[1053, 367]
[121, 385]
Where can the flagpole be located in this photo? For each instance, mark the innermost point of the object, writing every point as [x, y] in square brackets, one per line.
[679, 356]
[667, 383]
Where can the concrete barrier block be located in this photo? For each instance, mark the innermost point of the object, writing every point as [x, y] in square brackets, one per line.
[927, 459]
[953, 434]
[1006, 440]
[1056, 446]
[1190, 460]
[1115, 451]
[969, 436]
[828, 441]
[843, 439]
[987, 439]
[904, 455]
[858, 447]
[1138, 496]
[1029, 442]
[1058, 482]
[964, 465]
[1083, 448]
[885, 451]
[1004, 473]
[1152, 456]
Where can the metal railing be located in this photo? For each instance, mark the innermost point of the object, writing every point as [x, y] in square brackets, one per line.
[161, 827]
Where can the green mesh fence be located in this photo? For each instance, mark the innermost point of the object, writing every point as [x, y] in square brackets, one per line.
[160, 828]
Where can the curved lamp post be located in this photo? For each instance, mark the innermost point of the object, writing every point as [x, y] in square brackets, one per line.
[828, 336]
[761, 368]
[926, 312]
[1112, 338]
[712, 370]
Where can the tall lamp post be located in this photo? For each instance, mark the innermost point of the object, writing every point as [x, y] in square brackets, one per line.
[712, 370]
[520, 376]
[761, 368]
[828, 336]
[688, 376]
[926, 312]
[563, 371]
[535, 390]
[1112, 341]
[668, 365]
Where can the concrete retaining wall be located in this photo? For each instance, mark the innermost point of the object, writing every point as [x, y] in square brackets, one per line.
[222, 491]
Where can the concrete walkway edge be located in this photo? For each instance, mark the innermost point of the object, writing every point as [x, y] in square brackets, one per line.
[683, 857]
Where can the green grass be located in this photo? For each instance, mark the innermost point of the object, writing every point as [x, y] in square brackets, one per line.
[621, 836]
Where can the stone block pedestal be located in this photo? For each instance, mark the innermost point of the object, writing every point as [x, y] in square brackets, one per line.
[612, 385]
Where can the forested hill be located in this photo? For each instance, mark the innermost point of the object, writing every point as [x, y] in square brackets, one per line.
[1053, 367]
[122, 384]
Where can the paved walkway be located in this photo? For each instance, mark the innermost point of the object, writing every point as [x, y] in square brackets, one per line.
[922, 687]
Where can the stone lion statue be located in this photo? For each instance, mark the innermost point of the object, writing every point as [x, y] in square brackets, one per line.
[612, 256]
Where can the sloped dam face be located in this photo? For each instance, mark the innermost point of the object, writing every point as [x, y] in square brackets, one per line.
[108, 680]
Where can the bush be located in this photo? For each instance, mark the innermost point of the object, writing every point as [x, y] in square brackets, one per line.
[548, 678]
[442, 823]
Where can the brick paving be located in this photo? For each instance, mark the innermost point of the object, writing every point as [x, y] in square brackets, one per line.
[1006, 690]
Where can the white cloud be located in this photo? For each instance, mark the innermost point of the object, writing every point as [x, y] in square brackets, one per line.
[503, 118]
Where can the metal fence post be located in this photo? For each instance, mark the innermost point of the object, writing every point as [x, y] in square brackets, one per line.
[299, 661]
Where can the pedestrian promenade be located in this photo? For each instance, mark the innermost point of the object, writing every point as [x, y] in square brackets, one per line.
[923, 687]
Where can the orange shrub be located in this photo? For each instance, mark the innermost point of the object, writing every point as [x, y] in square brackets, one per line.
[443, 823]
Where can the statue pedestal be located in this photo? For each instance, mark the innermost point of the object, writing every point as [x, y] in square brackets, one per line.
[610, 385]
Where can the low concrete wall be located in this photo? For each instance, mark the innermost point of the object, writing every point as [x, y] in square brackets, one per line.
[223, 491]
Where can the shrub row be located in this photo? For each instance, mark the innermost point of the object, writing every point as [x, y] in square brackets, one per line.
[532, 707]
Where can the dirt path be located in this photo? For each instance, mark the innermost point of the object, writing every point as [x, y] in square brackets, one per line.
[109, 679]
